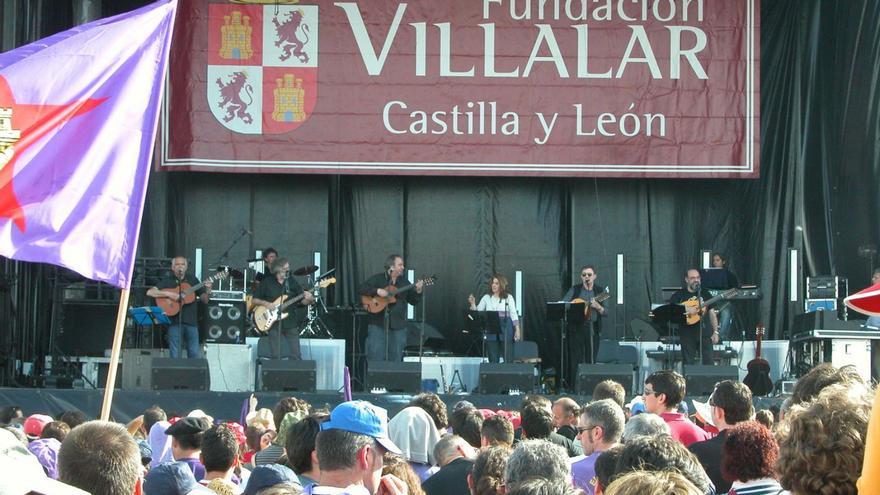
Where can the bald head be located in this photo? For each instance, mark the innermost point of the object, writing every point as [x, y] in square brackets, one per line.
[565, 412]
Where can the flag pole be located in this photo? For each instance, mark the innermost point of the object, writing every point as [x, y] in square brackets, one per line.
[114, 354]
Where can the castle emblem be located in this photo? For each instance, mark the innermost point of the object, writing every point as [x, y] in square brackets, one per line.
[235, 37]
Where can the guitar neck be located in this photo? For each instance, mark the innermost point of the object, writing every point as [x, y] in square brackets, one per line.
[288, 302]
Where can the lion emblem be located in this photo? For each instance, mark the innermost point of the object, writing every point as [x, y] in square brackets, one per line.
[288, 36]
[231, 97]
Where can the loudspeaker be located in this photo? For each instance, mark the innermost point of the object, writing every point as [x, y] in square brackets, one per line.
[137, 367]
[501, 378]
[280, 375]
[700, 379]
[394, 377]
[86, 328]
[225, 323]
[589, 375]
[180, 374]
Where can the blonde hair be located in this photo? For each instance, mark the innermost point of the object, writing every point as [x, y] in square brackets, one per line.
[651, 483]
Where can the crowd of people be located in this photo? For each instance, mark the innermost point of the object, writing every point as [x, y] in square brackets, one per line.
[814, 443]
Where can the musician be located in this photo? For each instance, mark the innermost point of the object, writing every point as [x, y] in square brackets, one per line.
[269, 290]
[394, 315]
[269, 257]
[184, 325]
[501, 301]
[581, 346]
[701, 335]
[725, 309]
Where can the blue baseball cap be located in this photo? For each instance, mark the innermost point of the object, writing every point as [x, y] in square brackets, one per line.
[359, 416]
[270, 475]
[172, 478]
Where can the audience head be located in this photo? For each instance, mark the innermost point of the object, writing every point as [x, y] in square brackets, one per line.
[73, 418]
[536, 422]
[287, 405]
[452, 447]
[565, 412]
[10, 413]
[171, 478]
[822, 442]
[664, 391]
[731, 403]
[662, 453]
[541, 486]
[398, 466]
[186, 436]
[606, 466]
[101, 458]
[152, 416]
[413, 431]
[536, 400]
[821, 376]
[352, 443]
[496, 430]
[467, 423]
[644, 425]
[258, 437]
[610, 389]
[487, 475]
[56, 429]
[765, 417]
[270, 476]
[652, 483]
[34, 424]
[300, 444]
[536, 459]
[434, 406]
[600, 425]
[219, 449]
[748, 453]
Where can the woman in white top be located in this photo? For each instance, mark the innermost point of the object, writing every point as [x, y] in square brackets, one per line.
[501, 301]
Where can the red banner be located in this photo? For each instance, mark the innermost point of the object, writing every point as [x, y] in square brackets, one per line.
[607, 88]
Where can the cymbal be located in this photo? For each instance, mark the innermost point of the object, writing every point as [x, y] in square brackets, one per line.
[305, 270]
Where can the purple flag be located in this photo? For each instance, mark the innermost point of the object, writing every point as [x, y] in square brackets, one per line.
[78, 116]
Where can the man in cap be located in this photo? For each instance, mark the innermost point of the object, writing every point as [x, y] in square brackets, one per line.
[172, 478]
[186, 443]
[270, 475]
[350, 447]
[34, 424]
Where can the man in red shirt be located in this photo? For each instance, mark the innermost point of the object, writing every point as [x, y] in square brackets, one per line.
[664, 391]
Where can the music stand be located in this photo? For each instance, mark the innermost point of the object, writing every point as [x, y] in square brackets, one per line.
[487, 323]
[149, 315]
[566, 313]
[669, 314]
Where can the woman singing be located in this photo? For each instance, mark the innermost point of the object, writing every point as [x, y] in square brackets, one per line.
[502, 302]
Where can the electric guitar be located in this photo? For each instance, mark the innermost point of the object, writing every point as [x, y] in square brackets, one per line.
[376, 304]
[589, 309]
[265, 317]
[758, 378]
[693, 319]
[187, 293]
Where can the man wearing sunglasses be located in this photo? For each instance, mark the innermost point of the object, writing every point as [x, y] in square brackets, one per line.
[600, 426]
[583, 339]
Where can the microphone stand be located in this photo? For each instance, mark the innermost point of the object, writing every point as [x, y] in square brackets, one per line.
[702, 329]
[180, 317]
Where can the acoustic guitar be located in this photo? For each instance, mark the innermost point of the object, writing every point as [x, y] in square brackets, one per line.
[589, 309]
[377, 304]
[265, 317]
[758, 378]
[187, 293]
[693, 319]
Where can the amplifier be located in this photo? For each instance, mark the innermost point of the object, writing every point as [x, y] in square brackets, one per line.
[227, 295]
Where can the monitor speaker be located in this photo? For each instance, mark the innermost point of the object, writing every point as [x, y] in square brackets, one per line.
[701, 379]
[287, 375]
[137, 367]
[588, 375]
[394, 376]
[180, 374]
[226, 322]
[501, 378]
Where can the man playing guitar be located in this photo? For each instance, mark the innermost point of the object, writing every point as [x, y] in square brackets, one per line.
[184, 326]
[382, 346]
[267, 294]
[583, 339]
[696, 336]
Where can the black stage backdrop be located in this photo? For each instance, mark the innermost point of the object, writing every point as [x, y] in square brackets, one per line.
[818, 191]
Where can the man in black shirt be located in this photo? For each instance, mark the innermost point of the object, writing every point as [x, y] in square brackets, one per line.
[270, 289]
[698, 335]
[269, 257]
[184, 326]
[379, 346]
[583, 340]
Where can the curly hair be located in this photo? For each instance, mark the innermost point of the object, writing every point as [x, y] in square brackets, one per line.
[823, 375]
[435, 408]
[488, 470]
[748, 453]
[652, 483]
[286, 405]
[822, 443]
[397, 465]
[661, 453]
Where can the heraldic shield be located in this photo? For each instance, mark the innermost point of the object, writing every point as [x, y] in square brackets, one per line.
[262, 66]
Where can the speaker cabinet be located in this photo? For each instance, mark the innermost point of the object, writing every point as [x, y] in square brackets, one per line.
[226, 322]
[86, 328]
[501, 378]
[395, 377]
[701, 379]
[137, 367]
[180, 374]
[589, 375]
[279, 375]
